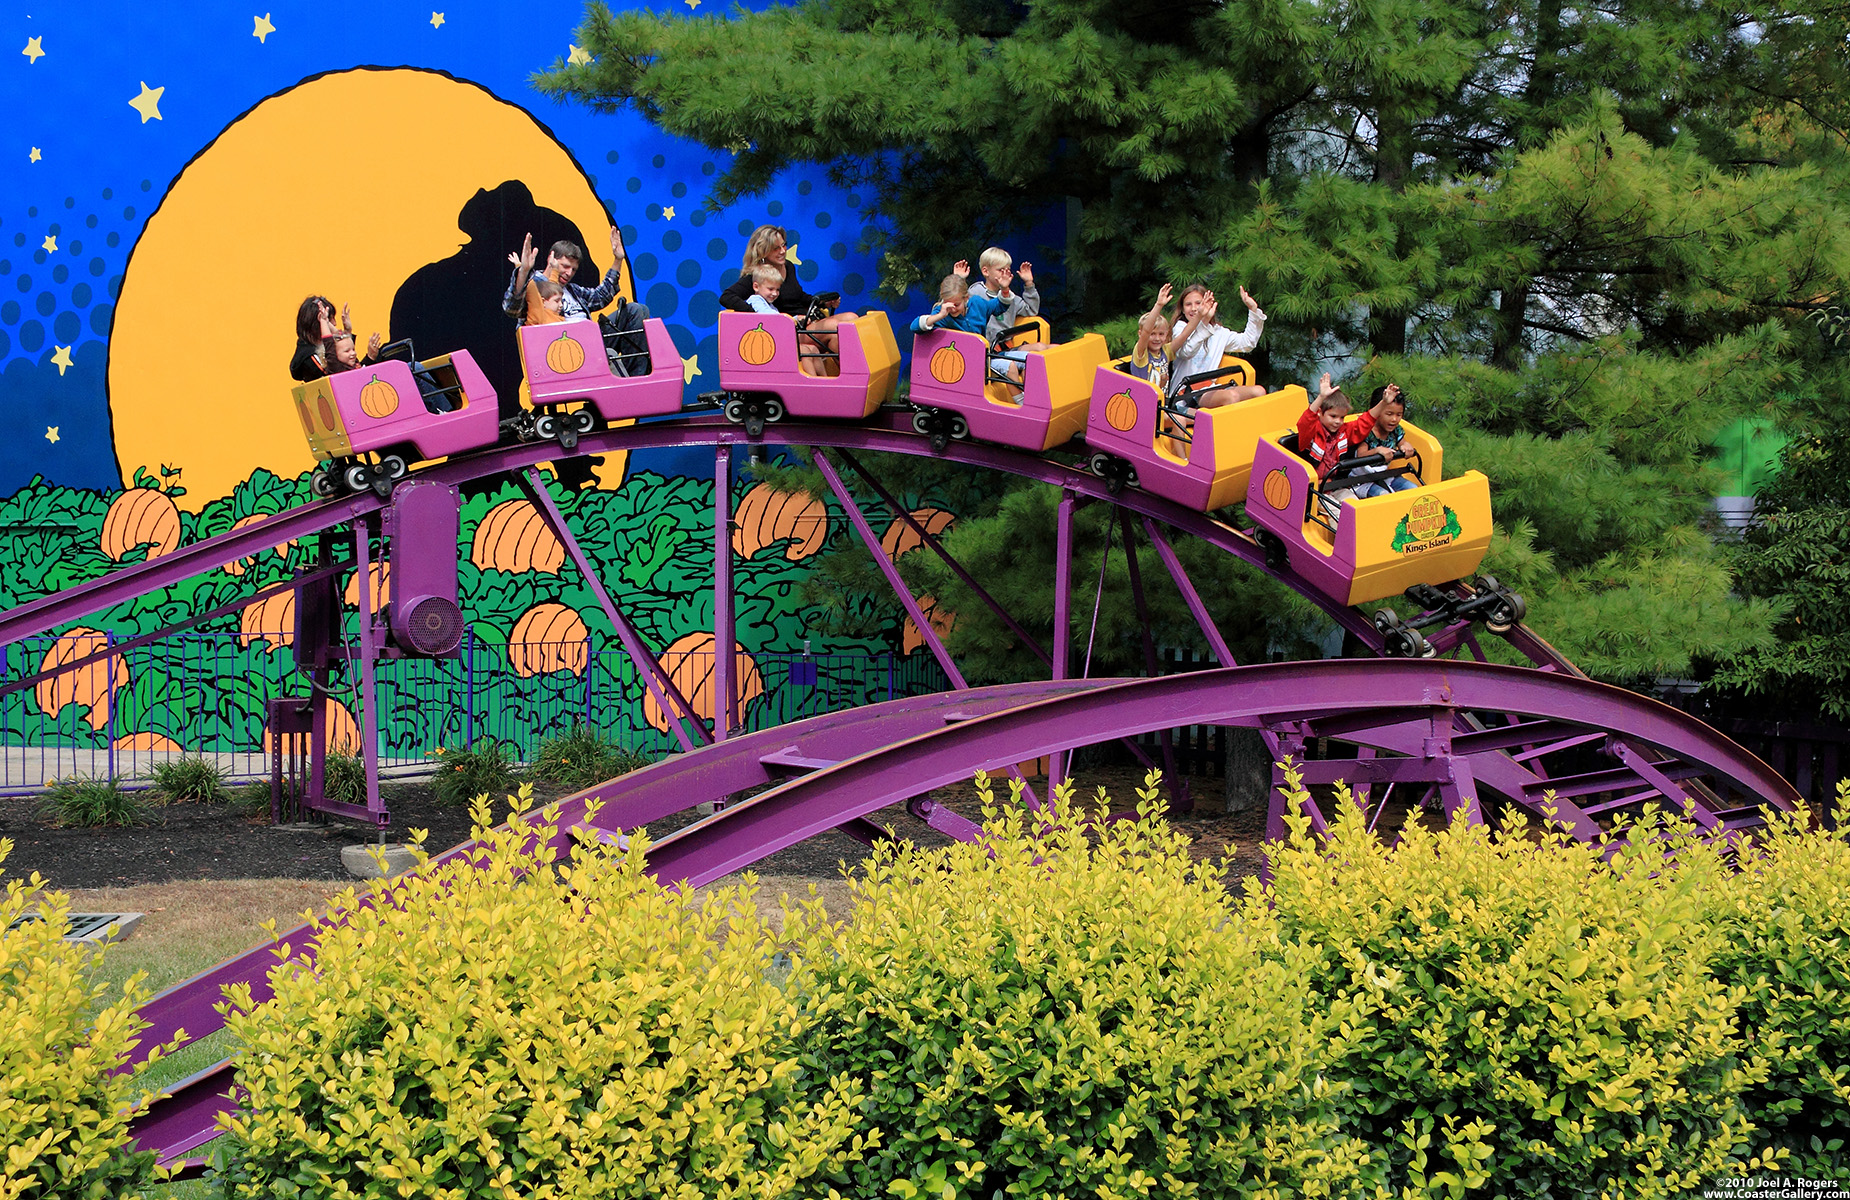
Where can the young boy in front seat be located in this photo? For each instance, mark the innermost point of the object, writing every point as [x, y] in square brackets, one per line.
[1385, 443]
[1324, 435]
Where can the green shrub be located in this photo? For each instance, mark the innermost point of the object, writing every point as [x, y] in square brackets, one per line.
[485, 770]
[1786, 943]
[1538, 1020]
[190, 777]
[344, 779]
[1077, 1011]
[496, 1028]
[250, 799]
[63, 1116]
[88, 802]
[580, 759]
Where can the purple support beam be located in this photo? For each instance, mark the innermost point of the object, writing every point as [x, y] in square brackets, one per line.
[1216, 643]
[1178, 787]
[1062, 614]
[369, 654]
[658, 683]
[725, 701]
[926, 633]
[899, 511]
[800, 808]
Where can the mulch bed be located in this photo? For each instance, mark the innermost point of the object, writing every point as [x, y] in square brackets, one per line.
[198, 841]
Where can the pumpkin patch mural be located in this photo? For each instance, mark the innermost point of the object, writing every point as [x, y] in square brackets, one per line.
[118, 450]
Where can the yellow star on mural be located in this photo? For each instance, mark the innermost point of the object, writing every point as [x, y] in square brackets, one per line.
[577, 55]
[689, 369]
[436, 20]
[693, 3]
[50, 243]
[790, 252]
[264, 29]
[33, 50]
[668, 213]
[62, 358]
[34, 156]
[148, 104]
[51, 434]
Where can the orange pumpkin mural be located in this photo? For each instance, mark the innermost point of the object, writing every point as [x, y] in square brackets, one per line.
[378, 398]
[94, 684]
[899, 537]
[947, 365]
[238, 566]
[1278, 490]
[757, 347]
[343, 730]
[270, 621]
[689, 662]
[548, 637]
[513, 536]
[942, 622]
[141, 516]
[1121, 411]
[379, 575]
[148, 742]
[565, 355]
[767, 515]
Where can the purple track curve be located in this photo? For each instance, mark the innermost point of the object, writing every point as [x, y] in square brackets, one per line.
[839, 768]
[1444, 726]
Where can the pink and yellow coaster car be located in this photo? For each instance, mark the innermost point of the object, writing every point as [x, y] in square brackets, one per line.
[759, 356]
[1357, 550]
[950, 375]
[378, 409]
[567, 363]
[1201, 464]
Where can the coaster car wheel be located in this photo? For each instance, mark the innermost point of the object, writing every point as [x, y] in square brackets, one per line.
[393, 467]
[921, 421]
[735, 410]
[546, 428]
[1508, 610]
[960, 428]
[357, 477]
[1276, 555]
[773, 410]
[585, 420]
[1399, 640]
[324, 484]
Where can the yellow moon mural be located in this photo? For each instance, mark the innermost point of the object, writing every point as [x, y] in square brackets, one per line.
[342, 186]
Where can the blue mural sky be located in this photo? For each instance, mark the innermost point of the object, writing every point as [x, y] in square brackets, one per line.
[107, 103]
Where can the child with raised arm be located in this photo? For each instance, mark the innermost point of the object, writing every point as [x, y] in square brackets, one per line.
[1326, 432]
[997, 268]
[1386, 443]
[1199, 341]
[959, 309]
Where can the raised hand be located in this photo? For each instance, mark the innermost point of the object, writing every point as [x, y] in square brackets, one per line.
[1162, 296]
[1210, 310]
[1026, 271]
[372, 344]
[961, 268]
[346, 317]
[1246, 298]
[1324, 386]
[616, 244]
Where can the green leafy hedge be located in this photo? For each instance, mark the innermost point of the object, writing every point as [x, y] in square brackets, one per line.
[63, 1116]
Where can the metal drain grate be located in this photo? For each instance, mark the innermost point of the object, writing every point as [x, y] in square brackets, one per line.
[84, 927]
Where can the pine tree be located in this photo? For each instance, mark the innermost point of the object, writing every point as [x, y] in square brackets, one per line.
[1583, 239]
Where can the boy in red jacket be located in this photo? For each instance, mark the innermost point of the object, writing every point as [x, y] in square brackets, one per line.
[1324, 436]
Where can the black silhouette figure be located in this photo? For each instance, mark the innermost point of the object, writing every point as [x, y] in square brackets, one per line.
[455, 304]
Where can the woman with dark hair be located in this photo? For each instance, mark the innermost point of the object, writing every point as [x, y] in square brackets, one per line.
[314, 322]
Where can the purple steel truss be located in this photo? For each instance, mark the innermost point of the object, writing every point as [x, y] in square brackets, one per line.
[838, 770]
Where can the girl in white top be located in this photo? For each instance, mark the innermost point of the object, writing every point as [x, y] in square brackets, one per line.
[1197, 343]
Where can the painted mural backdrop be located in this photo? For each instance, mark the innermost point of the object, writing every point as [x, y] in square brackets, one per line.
[178, 177]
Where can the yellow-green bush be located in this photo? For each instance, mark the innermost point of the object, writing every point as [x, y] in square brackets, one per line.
[1785, 921]
[1063, 1010]
[63, 1116]
[501, 1028]
[1538, 1020]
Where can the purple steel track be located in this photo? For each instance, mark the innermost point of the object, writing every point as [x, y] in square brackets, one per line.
[1425, 714]
[851, 764]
